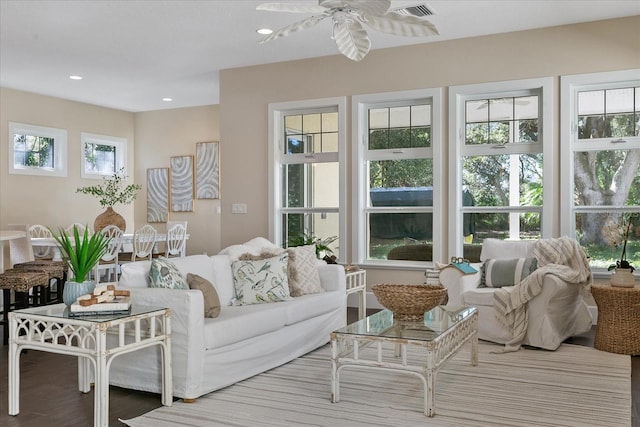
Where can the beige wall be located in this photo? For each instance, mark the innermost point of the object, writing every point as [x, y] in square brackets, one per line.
[52, 201]
[246, 93]
[162, 134]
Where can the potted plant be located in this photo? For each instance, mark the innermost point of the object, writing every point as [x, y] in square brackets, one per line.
[82, 253]
[618, 235]
[111, 192]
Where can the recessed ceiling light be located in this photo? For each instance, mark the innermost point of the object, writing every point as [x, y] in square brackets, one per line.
[264, 31]
[167, 99]
[75, 77]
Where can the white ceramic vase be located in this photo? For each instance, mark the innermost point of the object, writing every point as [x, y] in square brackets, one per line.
[622, 278]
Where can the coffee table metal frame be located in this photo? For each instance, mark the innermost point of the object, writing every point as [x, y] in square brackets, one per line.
[50, 329]
[455, 327]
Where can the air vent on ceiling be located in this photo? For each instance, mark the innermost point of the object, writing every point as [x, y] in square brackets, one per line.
[418, 10]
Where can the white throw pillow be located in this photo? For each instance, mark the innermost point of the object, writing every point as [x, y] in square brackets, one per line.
[303, 271]
[501, 249]
[261, 281]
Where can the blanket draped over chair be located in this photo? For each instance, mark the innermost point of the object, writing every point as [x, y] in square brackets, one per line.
[562, 257]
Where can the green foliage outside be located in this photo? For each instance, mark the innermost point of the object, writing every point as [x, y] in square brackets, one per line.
[38, 150]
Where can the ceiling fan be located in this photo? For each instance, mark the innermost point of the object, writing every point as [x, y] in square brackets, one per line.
[348, 16]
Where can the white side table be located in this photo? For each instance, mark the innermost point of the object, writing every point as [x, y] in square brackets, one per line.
[49, 328]
[357, 282]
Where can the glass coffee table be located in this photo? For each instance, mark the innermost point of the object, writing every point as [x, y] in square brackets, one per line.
[443, 332]
[50, 328]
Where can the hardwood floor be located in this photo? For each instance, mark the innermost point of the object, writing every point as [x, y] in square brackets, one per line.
[49, 393]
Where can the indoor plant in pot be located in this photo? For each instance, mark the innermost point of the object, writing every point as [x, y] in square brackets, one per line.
[619, 236]
[82, 253]
[111, 192]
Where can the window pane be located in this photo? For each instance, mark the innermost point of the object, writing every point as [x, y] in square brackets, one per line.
[596, 175]
[504, 180]
[619, 100]
[497, 226]
[99, 158]
[311, 123]
[499, 133]
[591, 103]
[611, 113]
[33, 151]
[501, 109]
[329, 122]
[401, 182]
[293, 124]
[399, 117]
[311, 185]
[596, 239]
[528, 131]
[392, 230]
[311, 133]
[400, 127]
[329, 143]
[295, 144]
[307, 226]
[477, 133]
[477, 111]
[526, 107]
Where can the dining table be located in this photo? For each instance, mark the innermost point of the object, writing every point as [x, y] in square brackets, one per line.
[127, 239]
[6, 235]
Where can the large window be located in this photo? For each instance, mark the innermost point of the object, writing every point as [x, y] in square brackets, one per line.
[397, 167]
[308, 174]
[500, 139]
[102, 155]
[601, 146]
[37, 150]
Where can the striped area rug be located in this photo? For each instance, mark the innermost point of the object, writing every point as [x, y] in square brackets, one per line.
[572, 386]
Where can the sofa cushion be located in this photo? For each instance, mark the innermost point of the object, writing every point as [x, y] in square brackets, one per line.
[223, 278]
[303, 271]
[136, 274]
[164, 274]
[312, 305]
[209, 294]
[496, 248]
[239, 323]
[497, 273]
[261, 281]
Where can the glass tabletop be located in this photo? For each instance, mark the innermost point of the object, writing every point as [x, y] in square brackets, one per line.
[436, 322]
[60, 311]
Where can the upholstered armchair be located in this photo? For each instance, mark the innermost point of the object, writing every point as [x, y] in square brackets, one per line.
[556, 313]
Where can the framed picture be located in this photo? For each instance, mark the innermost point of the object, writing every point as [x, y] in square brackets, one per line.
[207, 171]
[181, 198]
[157, 194]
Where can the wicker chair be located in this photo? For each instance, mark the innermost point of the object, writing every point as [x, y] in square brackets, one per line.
[22, 285]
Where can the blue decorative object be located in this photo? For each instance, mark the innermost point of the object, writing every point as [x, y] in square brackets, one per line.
[72, 290]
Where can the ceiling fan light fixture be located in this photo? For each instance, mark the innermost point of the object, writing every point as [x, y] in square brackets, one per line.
[264, 31]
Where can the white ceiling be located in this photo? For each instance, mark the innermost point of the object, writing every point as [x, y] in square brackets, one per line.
[133, 53]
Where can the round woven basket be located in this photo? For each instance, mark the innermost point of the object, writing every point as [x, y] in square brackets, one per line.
[409, 302]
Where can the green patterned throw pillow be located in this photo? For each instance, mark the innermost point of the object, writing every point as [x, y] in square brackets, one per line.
[261, 281]
[164, 274]
[497, 273]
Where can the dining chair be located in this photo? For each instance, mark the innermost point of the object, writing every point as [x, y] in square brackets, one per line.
[176, 239]
[80, 227]
[109, 261]
[41, 252]
[144, 240]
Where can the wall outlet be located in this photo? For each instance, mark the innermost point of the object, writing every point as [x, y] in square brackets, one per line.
[239, 208]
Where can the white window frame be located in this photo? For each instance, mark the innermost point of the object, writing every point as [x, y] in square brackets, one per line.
[276, 159]
[59, 149]
[570, 86]
[120, 145]
[457, 149]
[361, 154]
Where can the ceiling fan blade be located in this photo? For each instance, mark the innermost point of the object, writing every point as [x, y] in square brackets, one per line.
[296, 26]
[291, 7]
[370, 7]
[401, 25]
[352, 40]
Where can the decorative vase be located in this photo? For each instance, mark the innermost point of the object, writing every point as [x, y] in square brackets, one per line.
[622, 278]
[72, 290]
[109, 217]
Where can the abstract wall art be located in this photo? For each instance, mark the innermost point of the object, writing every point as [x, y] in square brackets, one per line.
[207, 171]
[181, 184]
[157, 194]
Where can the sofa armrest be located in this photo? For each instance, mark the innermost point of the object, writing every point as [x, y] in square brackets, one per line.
[458, 283]
[332, 277]
[187, 332]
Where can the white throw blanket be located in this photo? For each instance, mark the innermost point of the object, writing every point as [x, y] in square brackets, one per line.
[562, 257]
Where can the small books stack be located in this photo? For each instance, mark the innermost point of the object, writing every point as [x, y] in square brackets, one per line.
[105, 300]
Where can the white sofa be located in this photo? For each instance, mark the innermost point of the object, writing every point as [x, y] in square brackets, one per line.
[212, 353]
[556, 314]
